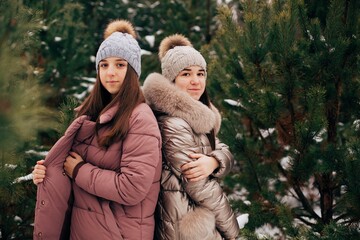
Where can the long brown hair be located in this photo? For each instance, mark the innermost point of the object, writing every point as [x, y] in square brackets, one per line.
[99, 101]
[205, 99]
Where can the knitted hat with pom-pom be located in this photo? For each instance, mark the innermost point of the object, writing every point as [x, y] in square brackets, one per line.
[176, 53]
[120, 42]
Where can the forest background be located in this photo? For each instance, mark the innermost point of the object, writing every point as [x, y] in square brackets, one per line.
[283, 73]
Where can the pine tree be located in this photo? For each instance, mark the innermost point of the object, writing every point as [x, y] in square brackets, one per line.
[286, 75]
[22, 116]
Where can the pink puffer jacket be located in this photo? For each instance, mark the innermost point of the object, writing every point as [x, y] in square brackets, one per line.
[114, 193]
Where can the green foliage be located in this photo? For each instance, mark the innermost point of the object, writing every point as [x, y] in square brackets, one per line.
[67, 114]
[333, 231]
[22, 116]
[22, 113]
[67, 46]
[289, 74]
[17, 197]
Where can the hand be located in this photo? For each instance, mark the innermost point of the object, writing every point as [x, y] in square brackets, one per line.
[71, 161]
[39, 172]
[200, 168]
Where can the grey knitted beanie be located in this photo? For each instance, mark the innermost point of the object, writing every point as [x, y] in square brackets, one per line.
[176, 53]
[120, 42]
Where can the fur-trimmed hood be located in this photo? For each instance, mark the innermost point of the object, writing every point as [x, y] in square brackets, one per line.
[163, 96]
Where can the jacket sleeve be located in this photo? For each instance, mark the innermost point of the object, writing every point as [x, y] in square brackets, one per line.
[178, 142]
[226, 160]
[54, 198]
[139, 166]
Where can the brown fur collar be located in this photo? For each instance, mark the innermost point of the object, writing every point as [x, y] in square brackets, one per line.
[163, 96]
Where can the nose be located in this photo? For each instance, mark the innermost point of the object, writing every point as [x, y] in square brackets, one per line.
[195, 80]
[111, 70]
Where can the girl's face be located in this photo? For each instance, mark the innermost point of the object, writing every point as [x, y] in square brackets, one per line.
[192, 80]
[112, 73]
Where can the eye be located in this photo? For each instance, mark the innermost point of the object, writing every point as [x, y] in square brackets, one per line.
[103, 65]
[185, 74]
[121, 64]
[201, 74]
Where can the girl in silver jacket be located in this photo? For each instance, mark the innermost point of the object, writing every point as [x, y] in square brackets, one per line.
[192, 204]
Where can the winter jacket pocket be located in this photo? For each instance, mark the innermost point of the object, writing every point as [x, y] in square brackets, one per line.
[198, 224]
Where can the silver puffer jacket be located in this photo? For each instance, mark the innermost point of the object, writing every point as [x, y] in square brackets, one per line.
[189, 210]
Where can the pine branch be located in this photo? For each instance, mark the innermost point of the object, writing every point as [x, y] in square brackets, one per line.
[351, 221]
[326, 196]
[346, 11]
[254, 172]
[296, 186]
[341, 217]
[305, 221]
[294, 195]
[304, 200]
[255, 175]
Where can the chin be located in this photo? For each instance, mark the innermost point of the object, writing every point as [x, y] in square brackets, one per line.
[197, 98]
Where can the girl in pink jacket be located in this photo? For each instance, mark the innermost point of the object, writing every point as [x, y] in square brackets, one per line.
[102, 177]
